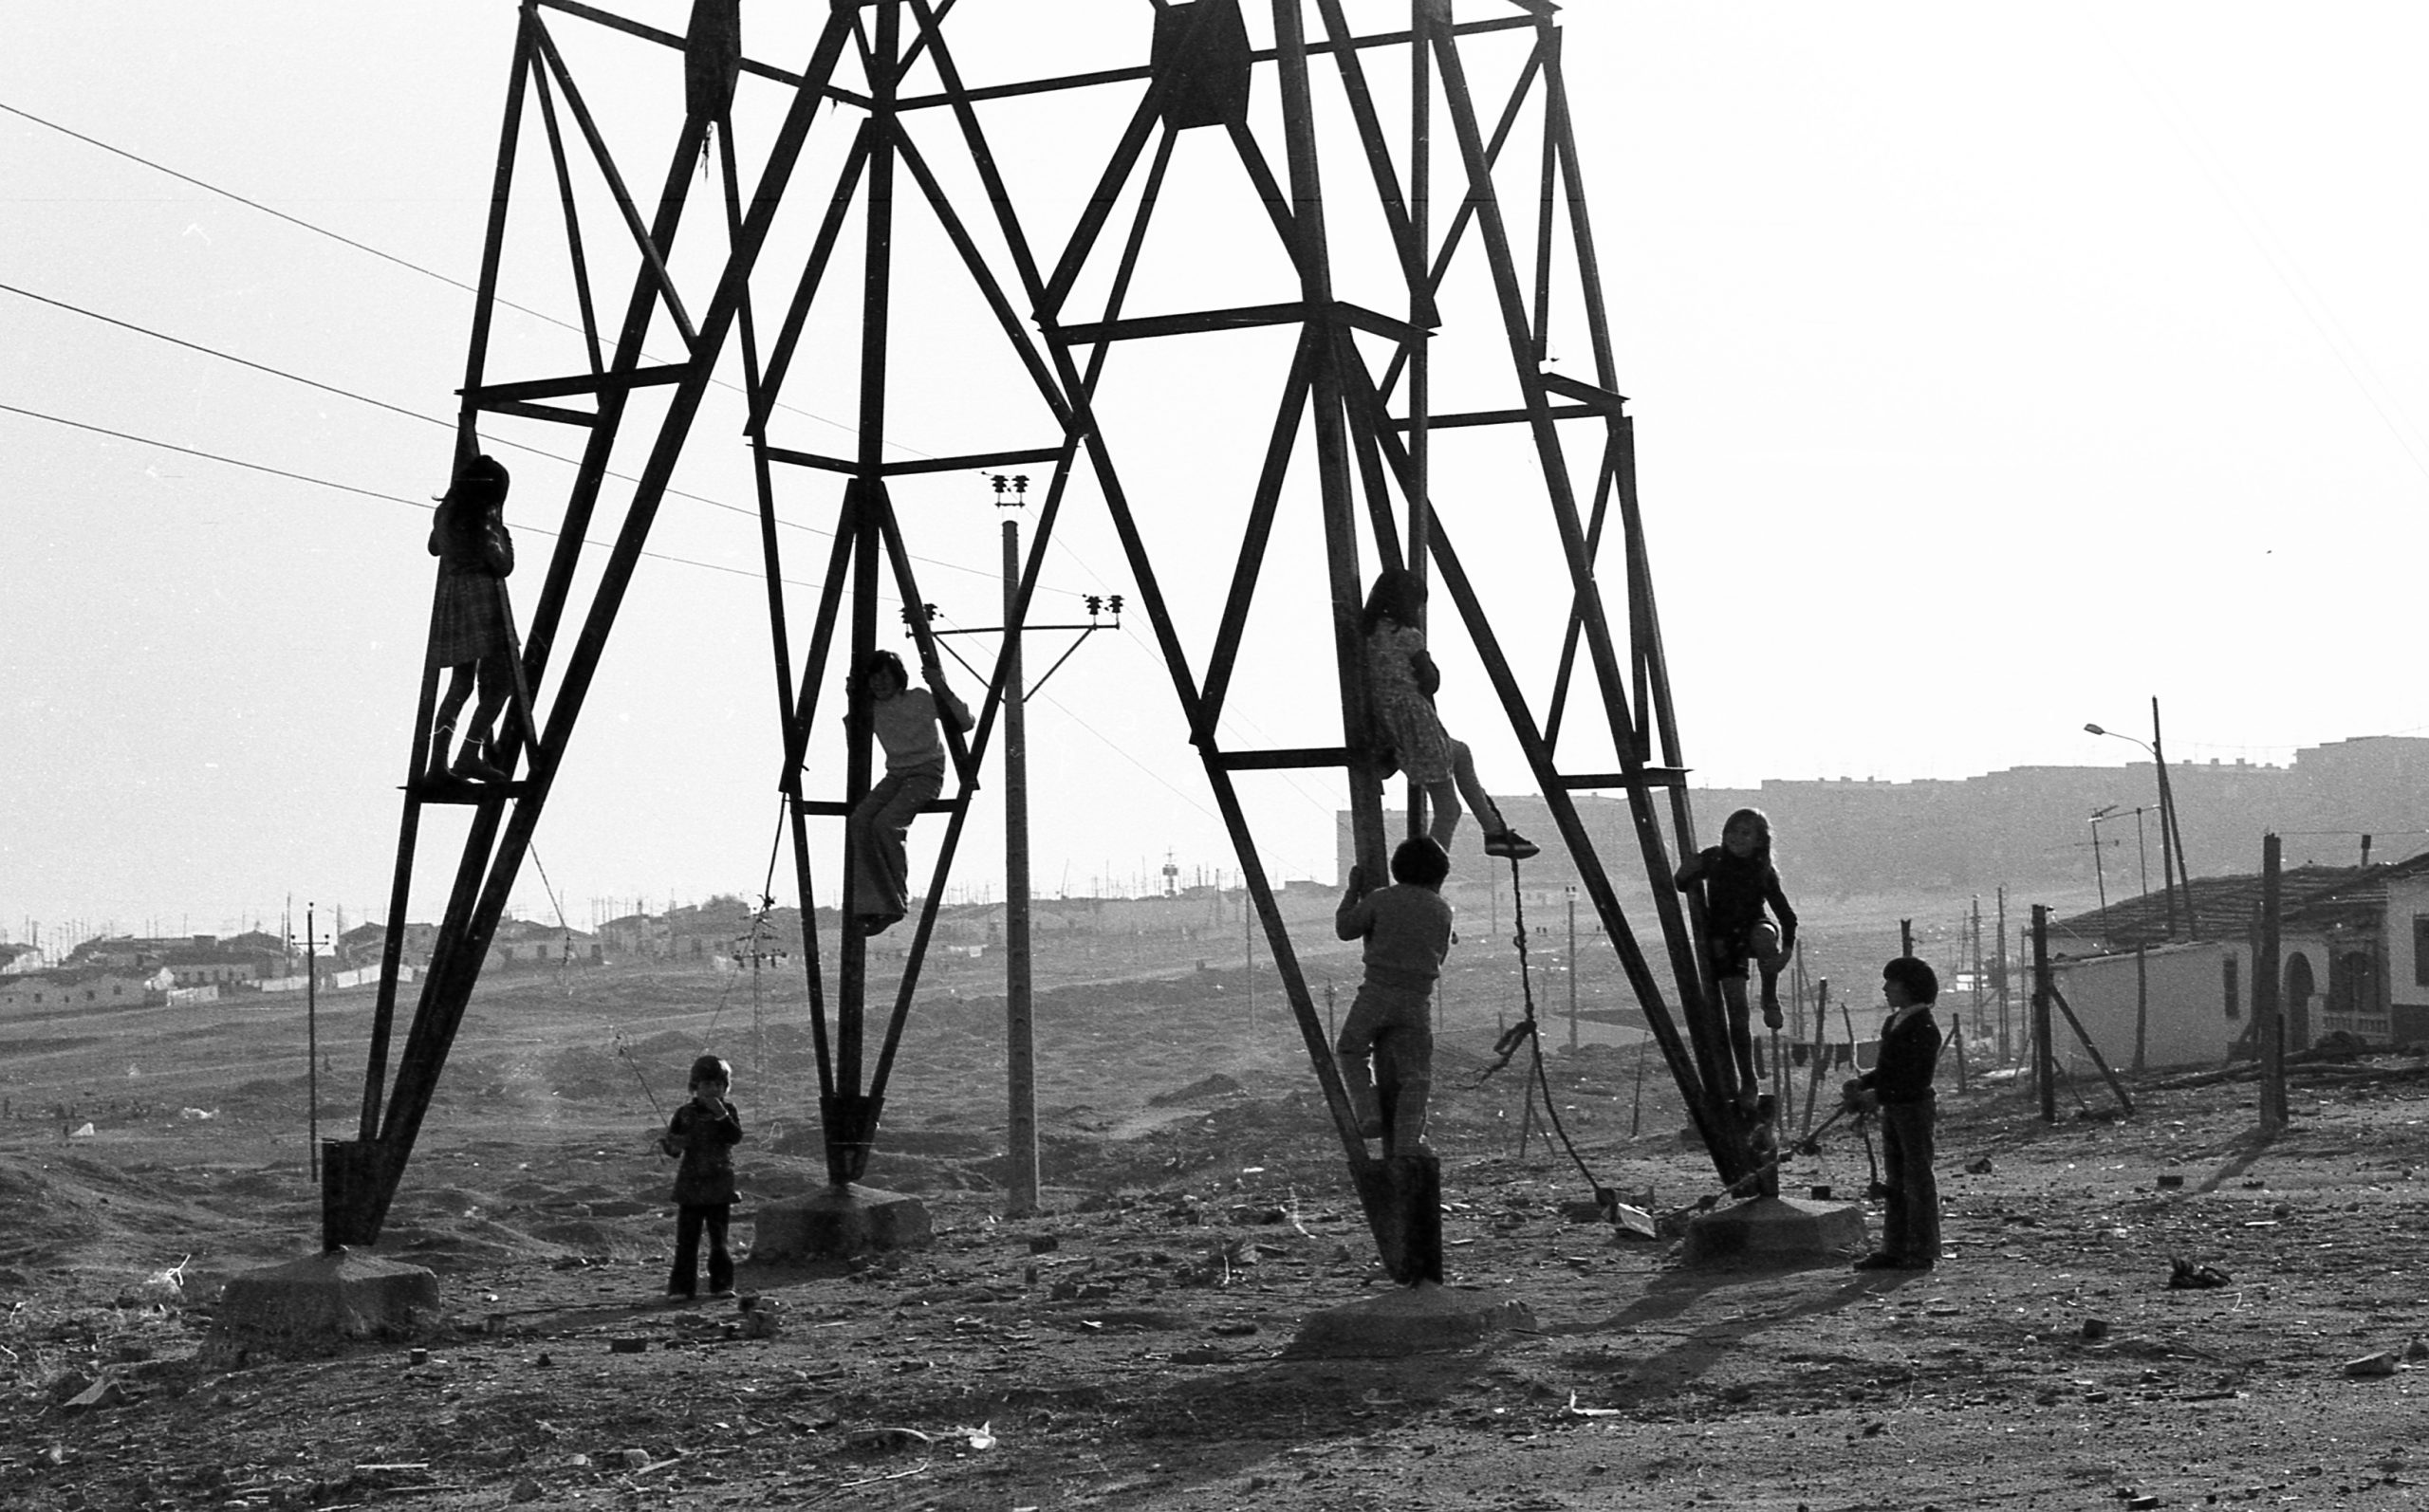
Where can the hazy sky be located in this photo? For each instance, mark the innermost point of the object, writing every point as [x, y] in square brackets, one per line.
[1996, 368]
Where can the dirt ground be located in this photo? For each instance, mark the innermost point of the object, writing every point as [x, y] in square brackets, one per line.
[1129, 1347]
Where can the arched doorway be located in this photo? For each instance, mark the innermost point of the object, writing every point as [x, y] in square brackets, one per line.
[2353, 996]
[2300, 985]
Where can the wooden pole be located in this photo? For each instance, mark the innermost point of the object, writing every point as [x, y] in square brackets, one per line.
[312, 1043]
[2123, 1101]
[1573, 971]
[1999, 973]
[2141, 1006]
[1820, 1049]
[2267, 1016]
[1636, 1110]
[2172, 834]
[2045, 1058]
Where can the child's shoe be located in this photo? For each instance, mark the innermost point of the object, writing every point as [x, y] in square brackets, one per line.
[1881, 1260]
[473, 765]
[1510, 845]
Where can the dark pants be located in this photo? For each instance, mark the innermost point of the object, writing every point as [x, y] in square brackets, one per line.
[1910, 1207]
[1393, 1027]
[689, 1221]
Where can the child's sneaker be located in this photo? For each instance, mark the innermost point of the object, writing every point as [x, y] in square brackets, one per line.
[1510, 845]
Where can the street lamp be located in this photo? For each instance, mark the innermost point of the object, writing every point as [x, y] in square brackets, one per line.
[2172, 863]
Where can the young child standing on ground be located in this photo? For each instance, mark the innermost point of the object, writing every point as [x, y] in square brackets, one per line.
[905, 718]
[1407, 930]
[1400, 683]
[470, 633]
[1739, 880]
[1900, 1088]
[703, 1132]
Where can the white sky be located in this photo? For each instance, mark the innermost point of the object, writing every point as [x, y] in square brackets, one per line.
[1996, 368]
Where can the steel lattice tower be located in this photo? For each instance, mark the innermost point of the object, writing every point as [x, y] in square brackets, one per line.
[883, 96]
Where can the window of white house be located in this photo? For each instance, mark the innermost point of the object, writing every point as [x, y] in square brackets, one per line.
[2230, 971]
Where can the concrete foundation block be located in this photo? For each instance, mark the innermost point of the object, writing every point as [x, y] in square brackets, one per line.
[839, 1222]
[1424, 1318]
[1774, 1228]
[324, 1298]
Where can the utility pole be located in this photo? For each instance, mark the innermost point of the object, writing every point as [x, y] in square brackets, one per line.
[2172, 834]
[311, 1045]
[1020, 1050]
[2044, 1056]
[2267, 1018]
[1572, 969]
[2000, 970]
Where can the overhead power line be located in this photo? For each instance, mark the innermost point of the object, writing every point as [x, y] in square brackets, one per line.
[452, 282]
[413, 415]
[348, 488]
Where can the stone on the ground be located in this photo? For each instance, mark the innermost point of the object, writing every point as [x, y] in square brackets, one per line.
[1774, 1228]
[1418, 1319]
[839, 1222]
[340, 1294]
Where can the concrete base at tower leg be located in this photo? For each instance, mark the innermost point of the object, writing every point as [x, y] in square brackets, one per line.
[323, 1299]
[1773, 1229]
[837, 1223]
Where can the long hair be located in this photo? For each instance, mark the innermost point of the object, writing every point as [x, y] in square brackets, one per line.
[1762, 823]
[884, 661]
[1398, 595]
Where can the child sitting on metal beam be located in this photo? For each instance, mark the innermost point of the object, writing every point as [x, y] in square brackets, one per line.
[906, 723]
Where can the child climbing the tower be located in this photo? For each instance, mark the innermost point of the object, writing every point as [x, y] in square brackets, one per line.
[1899, 1087]
[472, 633]
[1407, 930]
[1738, 882]
[1400, 683]
[703, 1133]
[905, 719]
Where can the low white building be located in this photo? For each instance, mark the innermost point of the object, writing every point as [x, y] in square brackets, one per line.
[2353, 959]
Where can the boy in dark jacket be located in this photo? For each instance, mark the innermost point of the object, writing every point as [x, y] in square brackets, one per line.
[703, 1132]
[1900, 1088]
[1407, 930]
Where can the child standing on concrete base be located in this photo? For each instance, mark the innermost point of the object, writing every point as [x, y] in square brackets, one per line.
[1407, 930]
[703, 1132]
[1899, 1087]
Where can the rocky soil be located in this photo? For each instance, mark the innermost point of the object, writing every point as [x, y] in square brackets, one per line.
[1130, 1346]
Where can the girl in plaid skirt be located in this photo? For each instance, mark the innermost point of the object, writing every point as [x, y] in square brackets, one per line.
[471, 630]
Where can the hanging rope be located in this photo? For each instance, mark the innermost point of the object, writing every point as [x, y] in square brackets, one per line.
[1527, 1032]
[565, 954]
[759, 915]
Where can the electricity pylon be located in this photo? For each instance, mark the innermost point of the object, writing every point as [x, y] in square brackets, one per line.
[887, 134]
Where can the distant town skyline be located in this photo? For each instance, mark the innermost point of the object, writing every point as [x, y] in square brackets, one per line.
[2034, 828]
